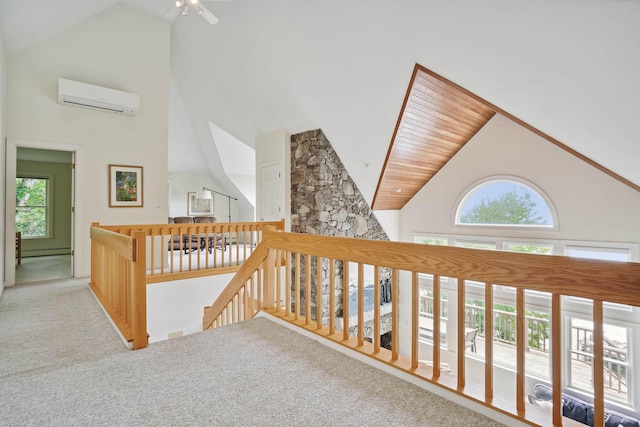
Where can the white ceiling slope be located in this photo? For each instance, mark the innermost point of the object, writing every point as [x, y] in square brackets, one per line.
[567, 68]
[238, 161]
[185, 153]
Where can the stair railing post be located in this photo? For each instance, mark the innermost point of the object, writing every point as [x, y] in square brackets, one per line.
[139, 291]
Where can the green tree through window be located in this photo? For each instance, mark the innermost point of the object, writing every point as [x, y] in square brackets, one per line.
[31, 206]
[504, 203]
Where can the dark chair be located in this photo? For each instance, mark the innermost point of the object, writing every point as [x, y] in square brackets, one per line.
[186, 242]
[211, 240]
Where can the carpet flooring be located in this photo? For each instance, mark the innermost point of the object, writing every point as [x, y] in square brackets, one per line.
[61, 363]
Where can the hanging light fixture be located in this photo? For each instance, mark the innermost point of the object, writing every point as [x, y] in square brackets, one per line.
[183, 6]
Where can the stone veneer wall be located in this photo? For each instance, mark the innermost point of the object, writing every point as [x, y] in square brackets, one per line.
[326, 201]
[324, 198]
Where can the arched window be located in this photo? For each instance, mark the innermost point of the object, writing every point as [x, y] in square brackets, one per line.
[505, 202]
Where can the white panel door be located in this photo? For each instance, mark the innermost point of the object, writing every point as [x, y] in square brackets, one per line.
[272, 193]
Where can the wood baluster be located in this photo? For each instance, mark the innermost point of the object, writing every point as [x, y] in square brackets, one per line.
[237, 239]
[307, 287]
[319, 293]
[360, 304]
[376, 310]
[436, 326]
[287, 280]
[152, 240]
[598, 364]
[296, 291]
[345, 300]
[521, 345]
[395, 313]
[488, 346]
[332, 296]
[278, 283]
[415, 318]
[461, 333]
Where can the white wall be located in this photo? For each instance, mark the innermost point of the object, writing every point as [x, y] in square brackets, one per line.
[3, 115]
[182, 184]
[120, 48]
[390, 222]
[179, 306]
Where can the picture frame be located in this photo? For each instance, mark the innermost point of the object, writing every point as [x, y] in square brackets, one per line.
[125, 186]
[197, 206]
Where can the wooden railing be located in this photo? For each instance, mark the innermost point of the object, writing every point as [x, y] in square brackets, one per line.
[118, 281]
[126, 258]
[261, 284]
[182, 251]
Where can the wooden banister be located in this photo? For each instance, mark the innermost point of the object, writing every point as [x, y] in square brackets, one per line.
[555, 275]
[257, 258]
[118, 279]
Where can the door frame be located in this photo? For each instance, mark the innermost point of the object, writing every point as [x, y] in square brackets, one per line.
[11, 160]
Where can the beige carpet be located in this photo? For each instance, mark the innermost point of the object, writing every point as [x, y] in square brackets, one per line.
[62, 364]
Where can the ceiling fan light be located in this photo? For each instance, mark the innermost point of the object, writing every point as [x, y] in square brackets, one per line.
[185, 10]
[179, 4]
[194, 1]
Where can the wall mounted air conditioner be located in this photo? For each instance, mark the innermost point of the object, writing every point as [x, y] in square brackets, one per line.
[96, 97]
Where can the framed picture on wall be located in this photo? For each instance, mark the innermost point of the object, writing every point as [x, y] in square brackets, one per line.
[125, 186]
[197, 206]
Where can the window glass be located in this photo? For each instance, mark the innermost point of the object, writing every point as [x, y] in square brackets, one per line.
[437, 241]
[504, 336]
[504, 202]
[426, 316]
[476, 244]
[617, 360]
[609, 254]
[31, 206]
[530, 248]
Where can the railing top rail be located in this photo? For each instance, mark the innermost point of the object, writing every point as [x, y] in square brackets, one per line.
[226, 225]
[121, 244]
[611, 281]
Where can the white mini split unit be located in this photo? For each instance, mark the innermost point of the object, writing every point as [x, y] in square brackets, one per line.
[96, 97]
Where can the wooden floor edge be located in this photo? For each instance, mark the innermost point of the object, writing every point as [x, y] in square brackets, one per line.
[537, 416]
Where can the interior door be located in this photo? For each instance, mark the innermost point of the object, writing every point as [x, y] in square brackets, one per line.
[272, 192]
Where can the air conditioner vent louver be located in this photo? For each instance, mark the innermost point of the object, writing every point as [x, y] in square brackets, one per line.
[96, 97]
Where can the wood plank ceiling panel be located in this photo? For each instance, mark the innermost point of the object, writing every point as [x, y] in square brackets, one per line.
[436, 120]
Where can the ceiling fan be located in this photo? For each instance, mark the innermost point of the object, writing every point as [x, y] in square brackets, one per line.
[182, 7]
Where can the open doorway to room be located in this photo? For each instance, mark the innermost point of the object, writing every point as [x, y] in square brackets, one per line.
[43, 214]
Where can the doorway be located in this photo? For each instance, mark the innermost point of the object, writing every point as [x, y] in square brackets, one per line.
[43, 213]
[40, 201]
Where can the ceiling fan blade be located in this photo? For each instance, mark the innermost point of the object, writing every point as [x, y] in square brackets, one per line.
[171, 13]
[210, 17]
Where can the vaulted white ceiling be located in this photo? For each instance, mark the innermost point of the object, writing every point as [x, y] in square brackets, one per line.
[567, 68]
